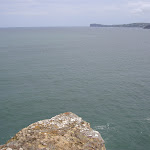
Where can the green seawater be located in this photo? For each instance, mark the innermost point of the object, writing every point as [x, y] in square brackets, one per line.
[100, 74]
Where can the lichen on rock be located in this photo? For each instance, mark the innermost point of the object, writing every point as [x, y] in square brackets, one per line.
[66, 131]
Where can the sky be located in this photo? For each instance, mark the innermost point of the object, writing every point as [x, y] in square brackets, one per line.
[35, 13]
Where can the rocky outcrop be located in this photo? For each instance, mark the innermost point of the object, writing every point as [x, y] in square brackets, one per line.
[66, 131]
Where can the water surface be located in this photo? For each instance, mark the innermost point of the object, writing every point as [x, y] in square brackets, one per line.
[101, 74]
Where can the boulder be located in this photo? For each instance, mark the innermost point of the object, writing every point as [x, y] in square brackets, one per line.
[66, 131]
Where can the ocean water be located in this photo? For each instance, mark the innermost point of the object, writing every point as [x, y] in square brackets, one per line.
[101, 74]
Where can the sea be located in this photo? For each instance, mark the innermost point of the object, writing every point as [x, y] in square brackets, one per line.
[100, 74]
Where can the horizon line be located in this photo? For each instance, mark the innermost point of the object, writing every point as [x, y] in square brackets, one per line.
[41, 26]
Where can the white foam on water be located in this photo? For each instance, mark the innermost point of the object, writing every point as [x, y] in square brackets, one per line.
[148, 119]
[102, 127]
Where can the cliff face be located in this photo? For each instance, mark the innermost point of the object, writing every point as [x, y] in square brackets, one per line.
[66, 131]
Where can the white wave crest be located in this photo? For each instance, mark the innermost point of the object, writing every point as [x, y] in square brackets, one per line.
[102, 127]
[148, 119]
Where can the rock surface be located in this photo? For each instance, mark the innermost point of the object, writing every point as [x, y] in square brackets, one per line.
[66, 131]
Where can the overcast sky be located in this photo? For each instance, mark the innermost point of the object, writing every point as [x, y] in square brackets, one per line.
[14, 13]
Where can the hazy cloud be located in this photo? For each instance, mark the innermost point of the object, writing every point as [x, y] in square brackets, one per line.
[72, 12]
[140, 7]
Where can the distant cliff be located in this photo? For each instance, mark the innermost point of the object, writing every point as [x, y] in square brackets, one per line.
[147, 27]
[66, 131]
[131, 25]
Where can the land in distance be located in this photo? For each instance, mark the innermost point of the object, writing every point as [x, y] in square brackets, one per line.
[131, 25]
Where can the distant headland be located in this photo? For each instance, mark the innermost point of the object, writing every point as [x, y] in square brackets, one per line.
[131, 25]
